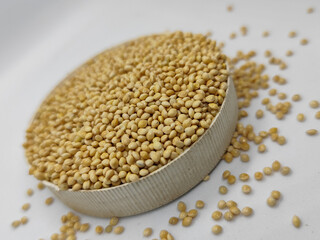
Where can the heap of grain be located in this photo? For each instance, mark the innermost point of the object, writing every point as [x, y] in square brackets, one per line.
[127, 112]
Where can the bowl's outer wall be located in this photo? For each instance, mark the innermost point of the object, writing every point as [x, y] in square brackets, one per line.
[167, 183]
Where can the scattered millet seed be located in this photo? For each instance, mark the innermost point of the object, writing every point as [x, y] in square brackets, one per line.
[292, 34]
[312, 132]
[99, 229]
[16, 223]
[280, 115]
[244, 177]
[243, 30]
[147, 232]
[216, 229]
[282, 96]
[24, 220]
[118, 230]
[267, 53]
[271, 201]
[173, 220]
[258, 176]
[108, 229]
[199, 204]
[267, 171]
[276, 166]
[231, 203]
[285, 171]
[233, 35]
[246, 189]
[265, 34]
[41, 186]
[300, 117]
[262, 148]
[163, 234]
[230, 8]
[186, 222]
[222, 204]
[304, 41]
[231, 179]
[259, 113]
[276, 194]
[244, 157]
[296, 221]
[272, 92]
[265, 101]
[113, 221]
[25, 206]
[314, 104]
[29, 192]
[216, 215]
[206, 178]
[296, 97]
[193, 213]
[247, 211]
[170, 237]
[317, 115]
[181, 206]
[228, 216]
[226, 174]
[289, 53]
[235, 210]
[223, 190]
[84, 227]
[49, 201]
[182, 215]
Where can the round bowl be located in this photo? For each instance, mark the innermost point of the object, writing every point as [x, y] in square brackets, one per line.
[168, 182]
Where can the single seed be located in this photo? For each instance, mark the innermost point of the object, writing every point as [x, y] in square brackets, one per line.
[222, 204]
[24, 220]
[226, 174]
[296, 97]
[267, 53]
[228, 216]
[258, 176]
[16, 223]
[192, 213]
[199, 204]
[292, 34]
[147, 232]
[182, 215]
[312, 132]
[118, 230]
[113, 221]
[216, 215]
[230, 8]
[282, 96]
[231, 179]
[267, 171]
[276, 166]
[29, 192]
[281, 140]
[49, 201]
[99, 229]
[246, 189]
[314, 104]
[216, 229]
[223, 190]
[265, 34]
[262, 148]
[181, 206]
[289, 53]
[187, 221]
[300, 117]
[271, 201]
[25, 206]
[244, 157]
[206, 178]
[163, 234]
[285, 171]
[244, 177]
[304, 41]
[231, 203]
[272, 92]
[41, 186]
[259, 114]
[317, 115]
[235, 210]
[247, 211]
[276, 194]
[296, 221]
[84, 227]
[173, 220]
[233, 35]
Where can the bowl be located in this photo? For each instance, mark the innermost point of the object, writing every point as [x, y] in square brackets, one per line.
[168, 182]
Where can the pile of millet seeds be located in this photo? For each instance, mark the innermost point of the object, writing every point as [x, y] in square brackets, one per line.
[248, 78]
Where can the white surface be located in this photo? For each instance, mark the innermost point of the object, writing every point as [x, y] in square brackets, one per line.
[41, 41]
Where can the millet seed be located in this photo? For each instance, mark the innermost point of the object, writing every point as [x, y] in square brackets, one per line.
[246, 189]
[147, 232]
[216, 229]
[216, 215]
[118, 230]
[223, 190]
[296, 221]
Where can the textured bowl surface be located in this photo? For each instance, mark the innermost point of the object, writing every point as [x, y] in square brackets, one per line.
[165, 184]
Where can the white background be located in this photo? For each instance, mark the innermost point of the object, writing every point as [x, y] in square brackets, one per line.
[41, 41]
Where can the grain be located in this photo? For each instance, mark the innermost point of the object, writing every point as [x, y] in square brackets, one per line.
[118, 230]
[312, 132]
[49, 201]
[276, 194]
[247, 211]
[113, 221]
[317, 115]
[296, 221]
[223, 190]
[244, 177]
[99, 229]
[296, 97]
[200, 204]
[173, 220]
[147, 232]
[24, 220]
[216, 215]
[186, 222]
[304, 41]
[285, 170]
[216, 229]
[181, 206]
[271, 201]
[267, 171]
[244, 157]
[276, 166]
[300, 117]
[314, 104]
[222, 204]
[246, 189]
[25, 206]
[258, 176]
[29, 192]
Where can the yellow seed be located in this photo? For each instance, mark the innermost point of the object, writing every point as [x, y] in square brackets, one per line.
[296, 97]
[231, 179]
[267, 53]
[222, 204]
[276, 194]
[296, 221]
[24, 220]
[192, 213]
[235, 210]
[25, 206]
[281, 140]
[247, 211]
[216, 229]
[258, 176]
[304, 41]
[276, 166]
[285, 171]
[272, 92]
[300, 117]
[289, 53]
[49, 201]
[259, 114]
[181, 206]
[246, 189]
[84, 227]
[282, 96]
[231, 203]
[243, 30]
[262, 148]
[314, 104]
[228, 216]
[265, 101]
[244, 177]
[317, 115]
[118, 230]
[292, 34]
[29, 192]
[41, 186]
[182, 215]
[271, 201]
[187, 221]
[229, 8]
[223, 190]
[16, 223]
[267, 171]
[163, 234]
[173, 220]
[216, 215]
[233, 35]
[312, 132]
[99, 229]
[206, 178]
[226, 174]
[265, 34]
[199, 204]
[244, 157]
[113, 221]
[147, 232]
